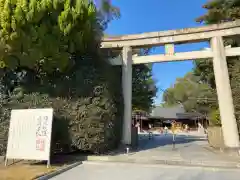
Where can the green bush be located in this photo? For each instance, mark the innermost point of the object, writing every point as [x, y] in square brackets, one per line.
[214, 117]
[59, 64]
[4, 124]
[235, 85]
[87, 109]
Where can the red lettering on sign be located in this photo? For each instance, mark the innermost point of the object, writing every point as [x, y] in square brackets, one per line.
[40, 144]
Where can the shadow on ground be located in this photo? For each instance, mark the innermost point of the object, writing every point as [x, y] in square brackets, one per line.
[56, 160]
[144, 143]
[64, 159]
[158, 141]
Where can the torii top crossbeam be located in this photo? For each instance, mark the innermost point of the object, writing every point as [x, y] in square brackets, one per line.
[150, 39]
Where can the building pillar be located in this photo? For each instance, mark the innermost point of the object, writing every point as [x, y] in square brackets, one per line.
[225, 101]
[127, 94]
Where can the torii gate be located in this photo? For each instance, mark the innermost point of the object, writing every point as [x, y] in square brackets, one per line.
[212, 33]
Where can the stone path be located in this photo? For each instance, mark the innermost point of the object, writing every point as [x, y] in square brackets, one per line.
[106, 171]
[189, 148]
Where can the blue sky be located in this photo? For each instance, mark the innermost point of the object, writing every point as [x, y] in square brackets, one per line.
[140, 16]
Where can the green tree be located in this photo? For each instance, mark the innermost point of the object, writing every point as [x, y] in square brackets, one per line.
[214, 117]
[219, 11]
[53, 57]
[144, 88]
[143, 85]
[107, 10]
[194, 96]
[40, 39]
[204, 70]
[46, 33]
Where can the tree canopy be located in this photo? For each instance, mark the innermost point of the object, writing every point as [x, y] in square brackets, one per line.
[51, 54]
[48, 32]
[143, 85]
[222, 11]
[144, 88]
[218, 11]
[189, 92]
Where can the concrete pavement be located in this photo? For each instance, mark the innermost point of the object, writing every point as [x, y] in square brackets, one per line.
[189, 150]
[149, 162]
[118, 171]
[191, 147]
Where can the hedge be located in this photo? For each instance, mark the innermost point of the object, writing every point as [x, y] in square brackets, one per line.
[87, 105]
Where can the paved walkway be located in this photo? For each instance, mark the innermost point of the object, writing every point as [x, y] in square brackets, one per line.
[188, 148]
[115, 171]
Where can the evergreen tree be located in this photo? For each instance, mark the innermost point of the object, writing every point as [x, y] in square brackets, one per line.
[219, 11]
[144, 88]
[47, 32]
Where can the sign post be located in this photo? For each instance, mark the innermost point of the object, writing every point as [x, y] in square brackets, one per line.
[173, 133]
[29, 135]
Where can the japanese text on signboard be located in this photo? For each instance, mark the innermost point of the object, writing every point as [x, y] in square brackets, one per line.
[41, 132]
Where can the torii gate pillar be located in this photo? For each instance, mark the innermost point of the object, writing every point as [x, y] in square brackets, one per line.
[225, 100]
[127, 94]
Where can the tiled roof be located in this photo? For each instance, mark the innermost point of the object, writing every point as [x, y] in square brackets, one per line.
[176, 112]
[163, 112]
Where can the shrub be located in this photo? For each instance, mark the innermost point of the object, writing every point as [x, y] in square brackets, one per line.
[214, 117]
[89, 119]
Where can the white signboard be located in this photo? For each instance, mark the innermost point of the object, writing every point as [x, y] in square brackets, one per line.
[30, 134]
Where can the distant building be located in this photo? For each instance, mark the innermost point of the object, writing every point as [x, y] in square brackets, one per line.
[163, 116]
